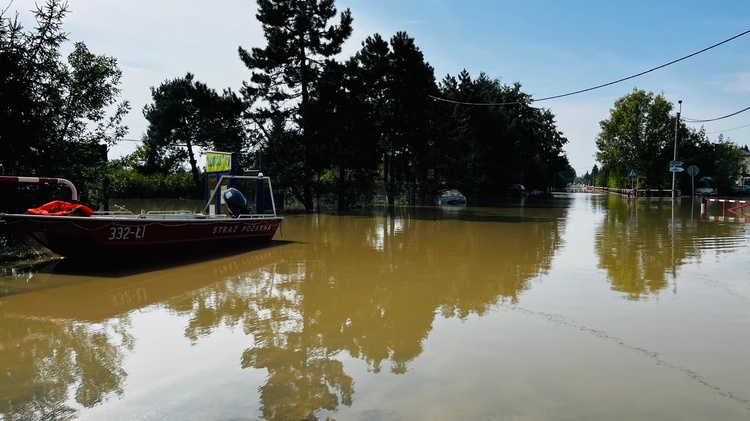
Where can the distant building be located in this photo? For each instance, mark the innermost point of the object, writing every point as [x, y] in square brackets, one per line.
[746, 171]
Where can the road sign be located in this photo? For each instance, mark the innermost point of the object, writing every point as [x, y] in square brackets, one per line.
[676, 169]
[632, 174]
[675, 163]
[693, 170]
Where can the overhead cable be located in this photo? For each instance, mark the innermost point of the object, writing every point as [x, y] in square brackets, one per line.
[692, 120]
[729, 130]
[490, 104]
[604, 84]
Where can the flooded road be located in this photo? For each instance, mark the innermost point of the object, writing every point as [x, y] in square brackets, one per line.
[581, 307]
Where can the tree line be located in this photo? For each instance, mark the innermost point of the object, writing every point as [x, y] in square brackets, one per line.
[332, 132]
[340, 133]
[641, 134]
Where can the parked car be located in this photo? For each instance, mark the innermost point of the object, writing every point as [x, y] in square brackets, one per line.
[451, 197]
[741, 190]
[706, 187]
[517, 190]
[706, 191]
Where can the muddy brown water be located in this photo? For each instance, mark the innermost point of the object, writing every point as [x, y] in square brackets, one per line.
[580, 307]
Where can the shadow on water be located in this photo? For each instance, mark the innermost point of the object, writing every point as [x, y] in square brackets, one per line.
[119, 269]
[60, 272]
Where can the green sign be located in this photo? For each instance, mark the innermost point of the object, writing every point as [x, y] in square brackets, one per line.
[218, 161]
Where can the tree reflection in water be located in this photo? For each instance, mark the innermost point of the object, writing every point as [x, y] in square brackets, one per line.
[641, 245]
[47, 359]
[376, 302]
[369, 286]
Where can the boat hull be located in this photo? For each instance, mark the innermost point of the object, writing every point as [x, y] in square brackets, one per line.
[113, 238]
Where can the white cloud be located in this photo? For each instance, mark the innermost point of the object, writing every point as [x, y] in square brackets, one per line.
[155, 41]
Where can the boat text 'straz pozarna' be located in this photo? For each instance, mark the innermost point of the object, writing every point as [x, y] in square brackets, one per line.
[116, 235]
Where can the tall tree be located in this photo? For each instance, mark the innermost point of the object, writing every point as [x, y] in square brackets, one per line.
[412, 111]
[343, 124]
[54, 116]
[400, 84]
[491, 147]
[187, 113]
[284, 72]
[638, 135]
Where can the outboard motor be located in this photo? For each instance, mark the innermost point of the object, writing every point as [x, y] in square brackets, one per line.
[236, 202]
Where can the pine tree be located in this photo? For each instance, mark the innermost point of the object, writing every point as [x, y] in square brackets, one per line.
[285, 71]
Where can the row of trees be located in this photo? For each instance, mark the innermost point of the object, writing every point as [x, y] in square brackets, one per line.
[332, 132]
[343, 132]
[640, 135]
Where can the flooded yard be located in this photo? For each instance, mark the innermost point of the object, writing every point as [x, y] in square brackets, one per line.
[578, 307]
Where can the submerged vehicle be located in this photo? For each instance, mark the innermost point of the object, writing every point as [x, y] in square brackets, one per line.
[517, 190]
[706, 187]
[450, 197]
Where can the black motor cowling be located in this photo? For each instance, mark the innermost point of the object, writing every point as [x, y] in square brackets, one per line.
[236, 202]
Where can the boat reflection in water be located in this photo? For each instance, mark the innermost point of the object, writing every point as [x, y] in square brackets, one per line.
[67, 330]
[411, 313]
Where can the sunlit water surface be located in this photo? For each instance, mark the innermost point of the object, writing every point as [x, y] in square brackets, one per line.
[582, 307]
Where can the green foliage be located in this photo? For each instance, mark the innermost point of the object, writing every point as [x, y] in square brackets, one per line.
[53, 118]
[284, 75]
[133, 184]
[483, 150]
[13, 250]
[343, 127]
[336, 132]
[638, 135]
[187, 113]
[722, 161]
[564, 177]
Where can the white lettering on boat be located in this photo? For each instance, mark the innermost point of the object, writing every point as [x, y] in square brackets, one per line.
[244, 228]
[126, 233]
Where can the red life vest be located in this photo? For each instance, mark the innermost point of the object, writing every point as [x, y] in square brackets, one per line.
[61, 208]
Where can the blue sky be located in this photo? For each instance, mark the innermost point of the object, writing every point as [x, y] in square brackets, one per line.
[550, 47]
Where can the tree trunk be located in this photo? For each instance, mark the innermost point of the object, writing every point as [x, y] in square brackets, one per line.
[193, 165]
[342, 205]
[388, 180]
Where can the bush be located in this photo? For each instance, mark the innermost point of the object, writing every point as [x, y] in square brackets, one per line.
[13, 250]
[132, 184]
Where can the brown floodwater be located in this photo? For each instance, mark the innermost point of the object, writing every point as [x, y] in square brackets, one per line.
[581, 307]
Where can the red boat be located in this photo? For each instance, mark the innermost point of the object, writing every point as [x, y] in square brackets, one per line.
[74, 231]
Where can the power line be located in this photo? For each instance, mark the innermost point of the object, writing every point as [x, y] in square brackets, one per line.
[692, 120]
[649, 70]
[729, 130]
[604, 84]
[488, 104]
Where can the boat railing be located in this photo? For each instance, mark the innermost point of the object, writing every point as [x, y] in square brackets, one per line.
[244, 177]
[170, 212]
[43, 180]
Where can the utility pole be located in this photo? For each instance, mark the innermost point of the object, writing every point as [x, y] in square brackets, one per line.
[676, 127]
